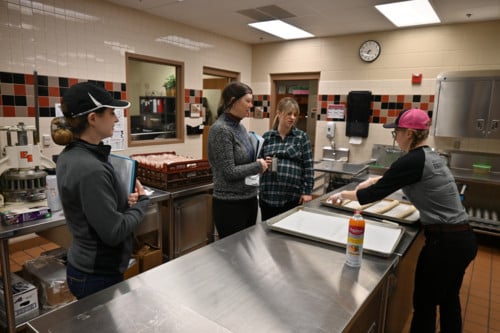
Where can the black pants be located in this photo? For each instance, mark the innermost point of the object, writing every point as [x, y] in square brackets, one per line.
[267, 211]
[440, 270]
[231, 216]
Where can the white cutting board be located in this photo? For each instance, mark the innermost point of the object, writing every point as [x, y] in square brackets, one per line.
[378, 237]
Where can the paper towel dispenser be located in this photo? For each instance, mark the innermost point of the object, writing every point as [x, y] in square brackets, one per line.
[358, 113]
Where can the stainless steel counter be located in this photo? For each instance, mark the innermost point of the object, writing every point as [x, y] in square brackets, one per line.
[341, 168]
[6, 232]
[257, 280]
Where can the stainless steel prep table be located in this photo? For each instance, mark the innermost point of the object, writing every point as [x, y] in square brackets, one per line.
[339, 173]
[11, 231]
[255, 280]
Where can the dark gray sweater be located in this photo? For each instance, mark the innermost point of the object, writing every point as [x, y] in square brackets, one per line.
[232, 159]
[96, 210]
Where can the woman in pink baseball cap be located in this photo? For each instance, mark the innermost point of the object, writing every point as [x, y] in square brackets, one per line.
[450, 244]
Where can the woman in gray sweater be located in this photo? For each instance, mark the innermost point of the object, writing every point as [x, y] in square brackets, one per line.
[232, 158]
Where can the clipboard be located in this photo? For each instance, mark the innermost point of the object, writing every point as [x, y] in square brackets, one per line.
[125, 170]
[257, 142]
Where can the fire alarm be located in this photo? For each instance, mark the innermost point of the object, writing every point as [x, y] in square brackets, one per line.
[416, 78]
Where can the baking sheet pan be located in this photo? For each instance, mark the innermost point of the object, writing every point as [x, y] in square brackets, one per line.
[387, 209]
[380, 238]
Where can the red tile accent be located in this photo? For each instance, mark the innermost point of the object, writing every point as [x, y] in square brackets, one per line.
[29, 79]
[31, 111]
[186, 99]
[54, 91]
[72, 81]
[407, 106]
[401, 98]
[324, 104]
[19, 90]
[43, 101]
[330, 98]
[124, 95]
[424, 106]
[376, 113]
[385, 98]
[186, 92]
[9, 111]
[108, 86]
[383, 120]
[431, 98]
[393, 113]
[197, 99]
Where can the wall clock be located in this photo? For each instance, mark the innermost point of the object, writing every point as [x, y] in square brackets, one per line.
[369, 50]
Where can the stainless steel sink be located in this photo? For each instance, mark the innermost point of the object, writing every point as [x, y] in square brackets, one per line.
[335, 154]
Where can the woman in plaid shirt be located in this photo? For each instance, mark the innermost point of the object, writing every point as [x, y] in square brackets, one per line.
[290, 182]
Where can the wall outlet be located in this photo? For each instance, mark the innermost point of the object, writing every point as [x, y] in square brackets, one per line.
[46, 140]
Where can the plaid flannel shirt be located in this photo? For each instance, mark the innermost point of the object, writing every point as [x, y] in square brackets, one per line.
[295, 175]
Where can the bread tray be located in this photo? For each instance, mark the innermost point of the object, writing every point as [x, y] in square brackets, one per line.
[380, 209]
[381, 238]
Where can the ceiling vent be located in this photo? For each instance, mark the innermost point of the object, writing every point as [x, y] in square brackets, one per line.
[266, 13]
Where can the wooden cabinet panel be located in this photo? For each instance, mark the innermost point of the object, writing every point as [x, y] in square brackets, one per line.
[193, 226]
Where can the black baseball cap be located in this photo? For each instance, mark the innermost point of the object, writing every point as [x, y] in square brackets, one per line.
[86, 97]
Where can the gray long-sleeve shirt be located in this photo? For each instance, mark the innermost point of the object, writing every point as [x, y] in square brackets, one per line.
[426, 181]
[232, 158]
[96, 209]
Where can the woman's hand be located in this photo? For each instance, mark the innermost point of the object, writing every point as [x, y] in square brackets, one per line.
[269, 161]
[336, 198]
[139, 190]
[263, 164]
[305, 198]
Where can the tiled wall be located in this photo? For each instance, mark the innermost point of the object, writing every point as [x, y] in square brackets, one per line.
[385, 108]
[87, 39]
[18, 93]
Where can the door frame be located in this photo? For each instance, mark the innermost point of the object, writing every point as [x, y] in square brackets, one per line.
[222, 73]
[275, 77]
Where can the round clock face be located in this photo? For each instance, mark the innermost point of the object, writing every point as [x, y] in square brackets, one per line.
[369, 50]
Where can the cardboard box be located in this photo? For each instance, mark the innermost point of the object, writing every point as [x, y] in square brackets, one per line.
[25, 300]
[49, 275]
[132, 270]
[19, 215]
[148, 257]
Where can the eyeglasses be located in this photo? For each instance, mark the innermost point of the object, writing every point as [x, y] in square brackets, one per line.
[395, 132]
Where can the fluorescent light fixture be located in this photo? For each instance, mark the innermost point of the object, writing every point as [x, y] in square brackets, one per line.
[281, 29]
[183, 42]
[409, 13]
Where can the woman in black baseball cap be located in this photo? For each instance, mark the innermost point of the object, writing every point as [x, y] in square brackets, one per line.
[100, 214]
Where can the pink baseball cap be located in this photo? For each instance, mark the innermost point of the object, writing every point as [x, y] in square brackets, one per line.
[413, 119]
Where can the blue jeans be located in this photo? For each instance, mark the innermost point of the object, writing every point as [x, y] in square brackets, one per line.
[83, 284]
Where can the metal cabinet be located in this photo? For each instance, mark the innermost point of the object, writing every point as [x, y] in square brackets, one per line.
[193, 226]
[468, 104]
[187, 219]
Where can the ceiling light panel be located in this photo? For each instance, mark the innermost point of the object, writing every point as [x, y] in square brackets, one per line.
[281, 29]
[409, 13]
